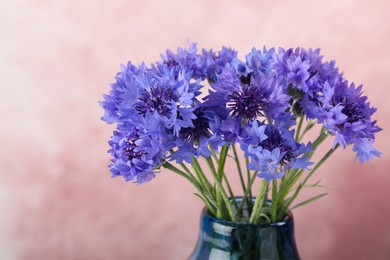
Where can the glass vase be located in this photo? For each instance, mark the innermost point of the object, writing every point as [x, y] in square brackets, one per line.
[221, 239]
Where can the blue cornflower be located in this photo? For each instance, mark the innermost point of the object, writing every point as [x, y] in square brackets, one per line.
[285, 119]
[346, 113]
[150, 106]
[241, 68]
[261, 60]
[268, 164]
[313, 56]
[206, 64]
[240, 100]
[169, 98]
[273, 149]
[189, 59]
[197, 139]
[302, 73]
[213, 63]
[122, 91]
[184, 57]
[358, 124]
[136, 155]
[298, 73]
[328, 72]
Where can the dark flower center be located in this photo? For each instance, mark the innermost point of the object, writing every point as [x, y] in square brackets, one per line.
[247, 103]
[171, 62]
[201, 127]
[157, 99]
[312, 74]
[129, 150]
[246, 79]
[352, 111]
[275, 140]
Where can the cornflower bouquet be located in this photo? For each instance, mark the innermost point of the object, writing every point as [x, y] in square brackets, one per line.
[263, 105]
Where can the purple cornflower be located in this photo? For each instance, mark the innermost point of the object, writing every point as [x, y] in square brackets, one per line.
[240, 99]
[205, 65]
[136, 155]
[260, 60]
[297, 69]
[346, 114]
[168, 97]
[358, 125]
[198, 139]
[122, 93]
[319, 91]
[272, 150]
[151, 106]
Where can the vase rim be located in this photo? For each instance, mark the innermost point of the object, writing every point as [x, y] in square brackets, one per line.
[285, 221]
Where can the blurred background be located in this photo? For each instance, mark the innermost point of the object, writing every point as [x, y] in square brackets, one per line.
[57, 200]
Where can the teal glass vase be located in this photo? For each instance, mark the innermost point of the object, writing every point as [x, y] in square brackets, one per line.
[221, 239]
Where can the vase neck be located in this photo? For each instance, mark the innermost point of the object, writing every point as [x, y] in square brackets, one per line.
[221, 239]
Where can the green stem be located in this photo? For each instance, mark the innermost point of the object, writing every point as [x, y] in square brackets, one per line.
[172, 168]
[219, 176]
[309, 126]
[247, 198]
[224, 198]
[222, 161]
[238, 164]
[214, 154]
[231, 193]
[206, 199]
[210, 163]
[249, 186]
[202, 180]
[274, 202]
[260, 198]
[185, 168]
[236, 159]
[201, 176]
[286, 183]
[301, 119]
[294, 175]
[323, 135]
[323, 159]
[301, 185]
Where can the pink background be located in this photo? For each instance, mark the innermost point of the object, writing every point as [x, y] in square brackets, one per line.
[57, 200]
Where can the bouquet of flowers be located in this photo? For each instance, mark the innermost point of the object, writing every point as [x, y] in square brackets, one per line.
[190, 106]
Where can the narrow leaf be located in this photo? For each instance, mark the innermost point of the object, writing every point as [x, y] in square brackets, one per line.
[309, 200]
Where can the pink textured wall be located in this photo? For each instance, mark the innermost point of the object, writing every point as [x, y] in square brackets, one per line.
[57, 200]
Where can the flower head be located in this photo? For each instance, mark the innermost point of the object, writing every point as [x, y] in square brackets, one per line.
[198, 139]
[206, 64]
[344, 112]
[150, 106]
[268, 164]
[272, 149]
[260, 60]
[136, 155]
[240, 100]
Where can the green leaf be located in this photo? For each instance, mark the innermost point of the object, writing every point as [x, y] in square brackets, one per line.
[309, 200]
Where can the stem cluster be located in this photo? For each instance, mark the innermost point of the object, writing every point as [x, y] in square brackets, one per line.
[273, 199]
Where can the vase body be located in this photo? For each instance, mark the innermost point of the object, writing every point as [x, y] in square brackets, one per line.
[221, 239]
